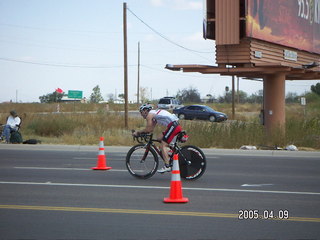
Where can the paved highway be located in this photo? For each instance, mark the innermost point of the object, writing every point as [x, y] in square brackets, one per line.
[50, 192]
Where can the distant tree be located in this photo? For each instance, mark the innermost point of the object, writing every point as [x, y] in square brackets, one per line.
[189, 95]
[316, 88]
[243, 96]
[256, 97]
[144, 94]
[96, 96]
[227, 98]
[110, 97]
[312, 97]
[51, 97]
[121, 96]
[292, 97]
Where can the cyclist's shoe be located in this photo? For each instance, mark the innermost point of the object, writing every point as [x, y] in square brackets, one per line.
[164, 169]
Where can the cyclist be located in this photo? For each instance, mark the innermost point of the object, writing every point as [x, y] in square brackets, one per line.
[164, 118]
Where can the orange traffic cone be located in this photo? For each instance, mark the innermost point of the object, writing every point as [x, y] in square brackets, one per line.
[102, 163]
[176, 186]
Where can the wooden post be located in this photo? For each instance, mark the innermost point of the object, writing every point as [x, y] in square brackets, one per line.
[125, 64]
[233, 98]
[138, 86]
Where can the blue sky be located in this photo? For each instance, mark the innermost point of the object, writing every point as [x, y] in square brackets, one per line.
[78, 44]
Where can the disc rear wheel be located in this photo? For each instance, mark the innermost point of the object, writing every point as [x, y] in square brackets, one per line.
[192, 162]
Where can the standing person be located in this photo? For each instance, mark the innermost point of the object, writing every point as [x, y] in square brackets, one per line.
[13, 124]
[164, 118]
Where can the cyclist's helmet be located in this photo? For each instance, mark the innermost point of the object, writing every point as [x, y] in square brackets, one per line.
[144, 107]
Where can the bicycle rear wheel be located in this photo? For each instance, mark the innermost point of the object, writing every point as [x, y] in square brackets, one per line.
[192, 162]
[142, 161]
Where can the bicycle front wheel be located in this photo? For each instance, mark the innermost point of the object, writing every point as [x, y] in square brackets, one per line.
[142, 161]
[192, 162]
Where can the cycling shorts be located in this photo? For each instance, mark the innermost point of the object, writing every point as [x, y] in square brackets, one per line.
[172, 130]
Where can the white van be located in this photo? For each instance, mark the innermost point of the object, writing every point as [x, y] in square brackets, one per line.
[169, 103]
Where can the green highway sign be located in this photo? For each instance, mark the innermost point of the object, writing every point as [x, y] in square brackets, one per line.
[75, 94]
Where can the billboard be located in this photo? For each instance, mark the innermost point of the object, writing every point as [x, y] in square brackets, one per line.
[292, 23]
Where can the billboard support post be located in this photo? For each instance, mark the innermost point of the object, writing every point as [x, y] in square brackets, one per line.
[274, 101]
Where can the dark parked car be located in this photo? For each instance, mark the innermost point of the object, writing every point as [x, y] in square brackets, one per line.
[200, 112]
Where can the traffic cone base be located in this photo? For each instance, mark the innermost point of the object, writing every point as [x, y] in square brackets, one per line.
[180, 200]
[101, 168]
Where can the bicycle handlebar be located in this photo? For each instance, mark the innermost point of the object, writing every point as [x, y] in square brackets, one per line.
[146, 137]
[142, 137]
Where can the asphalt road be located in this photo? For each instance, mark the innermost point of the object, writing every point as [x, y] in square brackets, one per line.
[50, 192]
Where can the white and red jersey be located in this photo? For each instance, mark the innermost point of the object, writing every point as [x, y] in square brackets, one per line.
[163, 117]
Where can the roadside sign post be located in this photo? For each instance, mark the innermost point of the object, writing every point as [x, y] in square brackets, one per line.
[75, 94]
[304, 103]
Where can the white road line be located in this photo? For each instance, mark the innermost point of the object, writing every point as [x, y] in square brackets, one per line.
[157, 187]
[257, 185]
[73, 169]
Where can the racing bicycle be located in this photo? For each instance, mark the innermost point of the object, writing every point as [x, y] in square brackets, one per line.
[142, 160]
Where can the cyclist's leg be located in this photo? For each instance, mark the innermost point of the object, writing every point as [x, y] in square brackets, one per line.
[165, 156]
[168, 136]
[164, 149]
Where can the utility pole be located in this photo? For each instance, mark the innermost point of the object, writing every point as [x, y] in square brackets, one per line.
[233, 90]
[138, 87]
[125, 64]
[238, 95]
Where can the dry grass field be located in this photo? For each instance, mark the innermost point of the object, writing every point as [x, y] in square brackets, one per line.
[85, 123]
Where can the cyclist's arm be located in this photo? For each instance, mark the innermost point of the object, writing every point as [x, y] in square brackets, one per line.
[151, 124]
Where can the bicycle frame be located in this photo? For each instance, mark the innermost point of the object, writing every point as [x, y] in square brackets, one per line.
[150, 143]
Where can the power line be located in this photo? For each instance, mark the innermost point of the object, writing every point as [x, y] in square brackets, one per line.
[72, 65]
[87, 49]
[56, 29]
[60, 64]
[163, 36]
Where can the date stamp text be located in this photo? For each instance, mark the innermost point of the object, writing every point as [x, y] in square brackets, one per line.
[264, 214]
